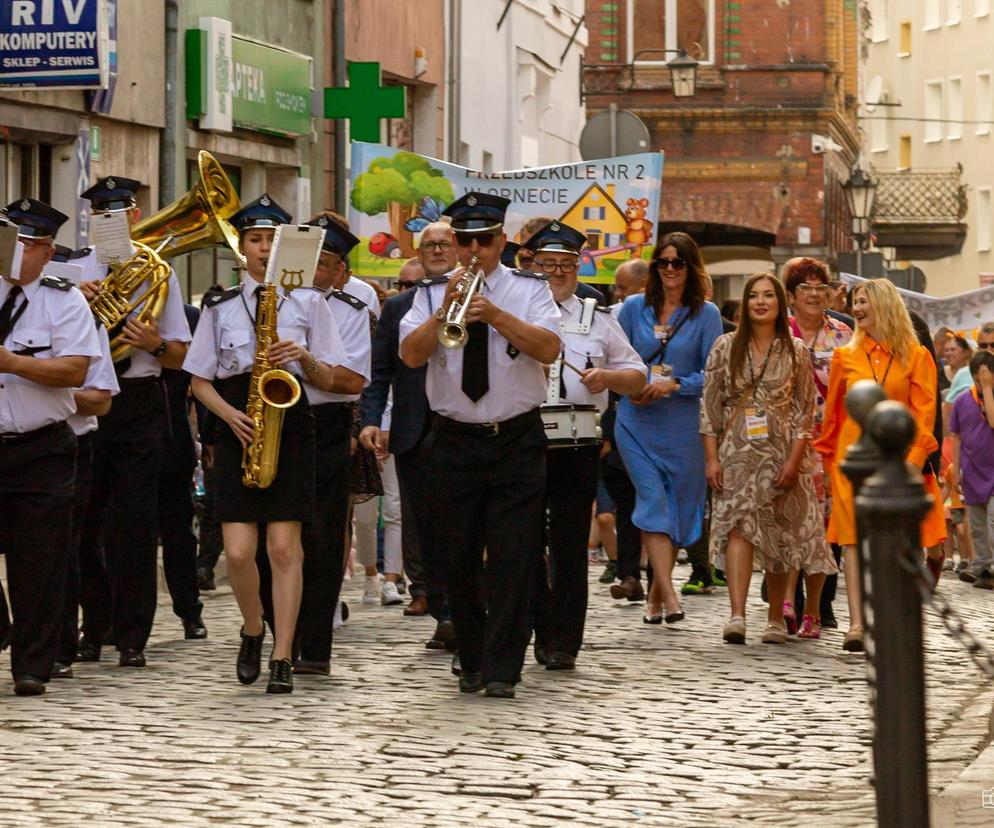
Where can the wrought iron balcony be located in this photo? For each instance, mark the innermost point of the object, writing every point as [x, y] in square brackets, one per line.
[920, 212]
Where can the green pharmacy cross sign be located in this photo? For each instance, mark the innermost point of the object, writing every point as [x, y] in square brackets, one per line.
[365, 101]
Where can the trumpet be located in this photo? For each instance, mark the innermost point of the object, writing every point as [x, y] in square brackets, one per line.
[453, 333]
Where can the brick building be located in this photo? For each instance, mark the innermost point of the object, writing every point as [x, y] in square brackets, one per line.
[755, 160]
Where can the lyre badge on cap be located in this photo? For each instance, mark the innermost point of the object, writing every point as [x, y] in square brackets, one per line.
[111, 184]
[471, 201]
[25, 205]
[264, 201]
[554, 227]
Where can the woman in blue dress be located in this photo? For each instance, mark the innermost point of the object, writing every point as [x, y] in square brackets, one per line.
[673, 328]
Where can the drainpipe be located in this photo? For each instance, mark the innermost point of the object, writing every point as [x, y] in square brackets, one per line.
[341, 204]
[167, 156]
[455, 43]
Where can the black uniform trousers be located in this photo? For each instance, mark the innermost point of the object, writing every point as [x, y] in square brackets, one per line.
[622, 491]
[416, 510]
[323, 540]
[561, 590]
[179, 542]
[126, 478]
[489, 491]
[37, 478]
[81, 498]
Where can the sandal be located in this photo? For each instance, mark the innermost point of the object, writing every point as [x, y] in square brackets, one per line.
[853, 642]
[789, 617]
[774, 634]
[810, 627]
[734, 631]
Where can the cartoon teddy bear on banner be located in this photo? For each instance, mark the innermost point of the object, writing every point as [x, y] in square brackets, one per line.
[639, 227]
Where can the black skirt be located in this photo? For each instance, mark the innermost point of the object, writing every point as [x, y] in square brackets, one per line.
[291, 495]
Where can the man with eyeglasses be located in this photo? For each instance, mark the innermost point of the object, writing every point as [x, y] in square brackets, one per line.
[487, 445]
[596, 357]
[344, 280]
[409, 422]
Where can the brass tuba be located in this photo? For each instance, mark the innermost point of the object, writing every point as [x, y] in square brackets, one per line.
[453, 333]
[271, 392]
[197, 220]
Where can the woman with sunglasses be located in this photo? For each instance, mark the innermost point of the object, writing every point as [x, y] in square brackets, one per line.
[809, 292]
[884, 349]
[673, 328]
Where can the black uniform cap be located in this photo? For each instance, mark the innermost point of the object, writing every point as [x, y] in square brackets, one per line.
[556, 237]
[263, 212]
[337, 239]
[112, 194]
[35, 219]
[477, 213]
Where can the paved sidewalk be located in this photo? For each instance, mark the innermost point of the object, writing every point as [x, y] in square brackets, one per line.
[658, 726]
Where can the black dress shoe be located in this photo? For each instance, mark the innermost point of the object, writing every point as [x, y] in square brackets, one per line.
[280, 676]
[560, 661]
[88, 650]
[470, 682]
[500, 690]
[193, 628]
[28, 686]
[311, 668]
[444, 637]
[60, 670]
[249, 663]
[131, 658]
[541, 656]
[205, 580]
[456, 665]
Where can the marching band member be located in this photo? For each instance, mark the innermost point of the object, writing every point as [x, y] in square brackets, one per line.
[224, 350]
[487, 445]
[47, 339]
[127, 452]
[596, 357]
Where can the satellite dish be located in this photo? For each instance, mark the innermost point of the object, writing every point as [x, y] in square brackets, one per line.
[613, 132]
[874, 93]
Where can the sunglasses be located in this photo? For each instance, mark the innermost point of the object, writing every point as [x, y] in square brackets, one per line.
[467, 239]
[402, 285]
[986, 345]
[665, 264]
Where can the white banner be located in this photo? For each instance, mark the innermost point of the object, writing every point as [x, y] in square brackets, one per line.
[963, 313]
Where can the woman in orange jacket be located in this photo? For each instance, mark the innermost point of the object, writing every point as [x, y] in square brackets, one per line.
[886, 350]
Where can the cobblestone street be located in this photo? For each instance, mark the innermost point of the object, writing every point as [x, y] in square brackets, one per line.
[658, 726]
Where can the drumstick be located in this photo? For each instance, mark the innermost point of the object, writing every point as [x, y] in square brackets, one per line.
[573, 368]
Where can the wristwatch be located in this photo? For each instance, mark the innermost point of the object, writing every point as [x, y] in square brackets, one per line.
[160, 350]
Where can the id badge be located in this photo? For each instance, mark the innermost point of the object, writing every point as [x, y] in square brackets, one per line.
[661, 373]
[661, 332]
[757, 426]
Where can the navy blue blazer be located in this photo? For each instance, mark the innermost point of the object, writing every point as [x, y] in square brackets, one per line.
[409, 416]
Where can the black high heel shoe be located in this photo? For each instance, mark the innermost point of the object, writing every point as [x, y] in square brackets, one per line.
[652, 619]
[673, 617]
[249, 663]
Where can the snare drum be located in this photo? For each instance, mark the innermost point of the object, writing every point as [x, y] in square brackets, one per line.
[568, 426]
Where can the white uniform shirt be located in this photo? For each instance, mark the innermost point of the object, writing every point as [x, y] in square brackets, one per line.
[173, 326]
[604, 346]
[100, 377]
[352, 320]
[224, 345]
[517, 382]
[55, 323]
[360, 290]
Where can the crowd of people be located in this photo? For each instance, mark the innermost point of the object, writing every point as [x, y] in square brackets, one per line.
[492, 412]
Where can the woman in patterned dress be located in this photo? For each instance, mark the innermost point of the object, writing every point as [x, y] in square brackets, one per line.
[759, 402]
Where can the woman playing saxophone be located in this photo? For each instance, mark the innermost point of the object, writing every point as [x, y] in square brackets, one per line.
[225, 364]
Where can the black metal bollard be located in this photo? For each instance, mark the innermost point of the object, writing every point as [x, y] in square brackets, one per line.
[890, 506]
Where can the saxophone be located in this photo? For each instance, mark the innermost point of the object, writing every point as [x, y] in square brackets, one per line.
[271, 392]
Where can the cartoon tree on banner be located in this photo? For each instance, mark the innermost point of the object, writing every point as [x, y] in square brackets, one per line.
[395, 186]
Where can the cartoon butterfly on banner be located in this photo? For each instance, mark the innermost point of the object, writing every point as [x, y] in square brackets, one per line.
[429, 210]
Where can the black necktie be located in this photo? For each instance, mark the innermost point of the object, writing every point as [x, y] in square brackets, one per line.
[475, 379]
[7, 318]
[562, 370]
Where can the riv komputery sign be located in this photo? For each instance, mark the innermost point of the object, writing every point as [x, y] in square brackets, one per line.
[53, 44]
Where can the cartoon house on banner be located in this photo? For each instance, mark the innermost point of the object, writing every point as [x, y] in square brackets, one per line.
[396, 194]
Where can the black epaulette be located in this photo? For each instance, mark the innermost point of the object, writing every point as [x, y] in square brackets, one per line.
[216, 297]
[82, 253]
[348, 298]
[56, 282]
[429, 281]
[531, 274]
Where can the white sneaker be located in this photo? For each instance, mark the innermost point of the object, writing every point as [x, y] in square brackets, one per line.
[682, 557]
[339, 621]
[371, 589]
[389, 595]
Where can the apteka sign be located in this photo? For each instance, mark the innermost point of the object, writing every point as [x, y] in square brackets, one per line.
[56, 44]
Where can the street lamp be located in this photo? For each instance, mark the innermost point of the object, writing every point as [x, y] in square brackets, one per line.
[860, 191]
[683, 75]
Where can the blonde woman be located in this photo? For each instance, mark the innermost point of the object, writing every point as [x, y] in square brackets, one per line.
[884, 348]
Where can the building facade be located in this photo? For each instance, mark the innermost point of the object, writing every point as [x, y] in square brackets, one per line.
[927, 117]
[756, 158]
[514, 83]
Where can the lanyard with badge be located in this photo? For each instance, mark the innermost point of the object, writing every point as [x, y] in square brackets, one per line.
[881, 382]
[757, 422]
[659, 370]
